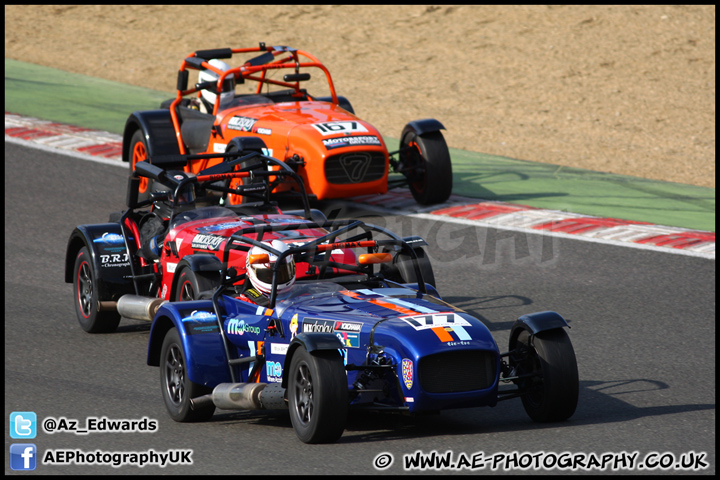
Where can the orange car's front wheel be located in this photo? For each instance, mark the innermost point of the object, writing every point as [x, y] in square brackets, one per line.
[425, 159]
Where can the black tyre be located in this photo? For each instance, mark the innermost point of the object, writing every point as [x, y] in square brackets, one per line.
[426, 161]
[191, 284]
[139, 153]
[177, 389]
[406, 270]
[85, 295]
[317, 395]
[554, 388]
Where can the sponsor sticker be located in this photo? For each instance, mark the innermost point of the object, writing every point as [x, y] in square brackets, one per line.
[273, 370]
[318, 325]
[110, 239]
[407, 372]
[207, 242]
[357, 140]
[239, 327]
[348, 339]
[114, 260]
[348, 326]
[243, 124]
[200, 316]
[293, 326]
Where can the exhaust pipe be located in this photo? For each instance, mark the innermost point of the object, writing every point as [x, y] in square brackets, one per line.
[244, 396]
[104, 306]
[139, 308]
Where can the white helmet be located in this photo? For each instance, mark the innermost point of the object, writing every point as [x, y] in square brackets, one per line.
[261, 275]
[228, 88]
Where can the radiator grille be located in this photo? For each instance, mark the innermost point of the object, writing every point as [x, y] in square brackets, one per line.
[459, 371]
[355, 167]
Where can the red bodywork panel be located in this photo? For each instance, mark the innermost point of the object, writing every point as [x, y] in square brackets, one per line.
[209, 236]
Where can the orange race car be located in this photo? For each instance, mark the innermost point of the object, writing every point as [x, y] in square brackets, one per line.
[337, 154]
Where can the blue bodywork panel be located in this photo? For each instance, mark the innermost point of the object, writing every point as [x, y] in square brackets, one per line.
[401, 348]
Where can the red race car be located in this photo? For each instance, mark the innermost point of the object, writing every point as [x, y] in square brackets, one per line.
[336, 154]
[175, 251]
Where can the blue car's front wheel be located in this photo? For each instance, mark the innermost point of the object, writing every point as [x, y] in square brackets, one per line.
[317, 395]
[551, 386]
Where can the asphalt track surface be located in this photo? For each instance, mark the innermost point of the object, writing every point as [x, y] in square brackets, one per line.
[643, 328]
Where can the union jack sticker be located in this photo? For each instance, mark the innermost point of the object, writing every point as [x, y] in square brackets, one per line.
[407, 372]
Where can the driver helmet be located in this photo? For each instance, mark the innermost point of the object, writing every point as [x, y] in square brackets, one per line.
[185, 199]
[261, 275]
[228, 87]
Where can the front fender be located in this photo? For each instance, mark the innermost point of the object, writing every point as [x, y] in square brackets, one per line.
[312, 342]
[159, 133]
[536, 323]
[426, 125]
[200, 336]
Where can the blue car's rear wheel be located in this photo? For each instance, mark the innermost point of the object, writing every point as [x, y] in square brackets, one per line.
[317, 395]
[177, 389]
[552, 390]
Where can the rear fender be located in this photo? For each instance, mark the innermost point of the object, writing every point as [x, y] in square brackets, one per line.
[536, 323]
[159, 133]
[108, 255]
[203, 346]
[312, 342]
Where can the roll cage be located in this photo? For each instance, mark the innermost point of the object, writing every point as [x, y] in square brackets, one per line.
[314, 252]
[210, 179]
[255, 69]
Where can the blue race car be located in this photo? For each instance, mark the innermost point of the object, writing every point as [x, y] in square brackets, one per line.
[348, 334]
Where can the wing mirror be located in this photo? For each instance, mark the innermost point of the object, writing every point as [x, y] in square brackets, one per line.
[373, 258]
[260, 258]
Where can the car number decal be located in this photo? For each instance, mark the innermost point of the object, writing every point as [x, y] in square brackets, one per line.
[448, 319]
[334, 128]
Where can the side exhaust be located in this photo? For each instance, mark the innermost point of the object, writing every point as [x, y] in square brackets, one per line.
[244, 396]
[139, 308]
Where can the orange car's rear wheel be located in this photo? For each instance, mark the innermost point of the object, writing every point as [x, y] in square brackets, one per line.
[138, 153]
